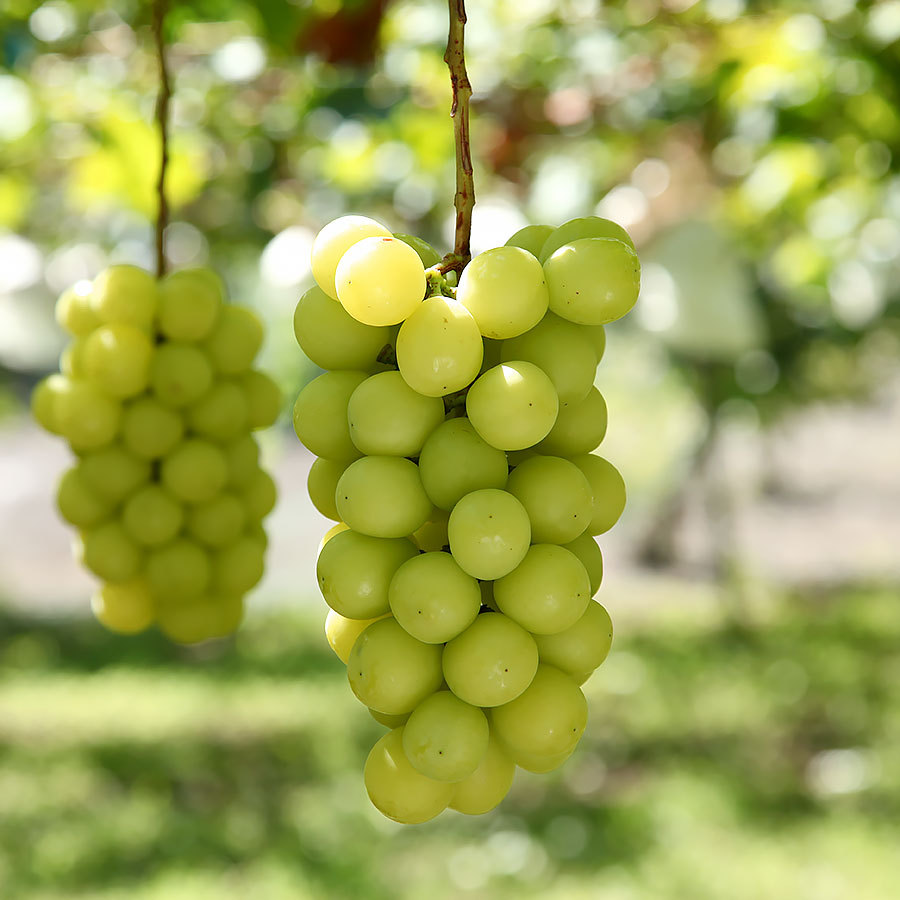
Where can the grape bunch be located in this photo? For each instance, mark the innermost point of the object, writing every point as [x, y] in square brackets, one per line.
[454, 429]
[157, 398]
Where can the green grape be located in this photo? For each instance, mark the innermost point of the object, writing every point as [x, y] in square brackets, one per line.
[547, 719]
[195, 471]
[125, 294]
[513, 405]
[355, 570]
[44, 401]
[380, 281]
[388, 721]
[263, 399]
[341, 632]
[151, 517]
[581, 647]
[491, 662]
[189, 304]
[432, 598]
[445, 738]
[226, 614]
[84, 415]
[125, 607]
[320, 415]
[78, 503]
[396, 789]
[556, 496]
[608, 488]
[429, 256]
[180, 374]
[489, 533]
[560, 350]
[71, 360]
[547, 592]
[586, 227]
[333, 241]
[235, 340]
[179, 571]
[331, 338]
[217, 522]
[239, 566]
[117, 359]
[586, 549]
[113, 473]
[455, 461]
[486, 787]
[505, 291]
[260, 495]
[242, 459]
[110, 553]
[221, 414]
[150, 429]
[388, 418]
[540, 763]
[593, 281]
[257, 532]
[596, 334]
[390, 671]
[433, 534]
[579, 427]
[321, 484]
[531, 238]
[197, 620]
[73, 310]
[382, 496]
[439, 348]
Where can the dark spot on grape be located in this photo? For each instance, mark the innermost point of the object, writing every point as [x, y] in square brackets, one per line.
[506, 670]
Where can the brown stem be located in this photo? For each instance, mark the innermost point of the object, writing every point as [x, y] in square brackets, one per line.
[464, 201]
[162, 119]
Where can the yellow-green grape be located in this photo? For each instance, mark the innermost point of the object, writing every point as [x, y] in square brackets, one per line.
[491, 662]
[333, 241]
[608, 488]
[489, 533]
[334, 530]
[320, 415]
[221, 413]
[547, 719]
[195, 471]
[341, 633]
[380, 281]
[505, 291]
[226, 614]
[44, 401]
[593, 281]
[585, 227]
[556, 496]
[179, 571]
[117, 359]
[200, 619]
[433, 534]
[151, 517]
[71, 360]
[260, 495]
[73, 310]
[439, 347]
[77, 501]
[114, 473]
[388, 721]
[390, 671]
[217, 522]
[388, 418]
[331, 338]
[547, 592]
[150, 429]
[560, 350]
[531, 238]
[242, 460]
[125, 294]
[189, 304]
[513, 405]
[355, 570]
[586, 549]
[239, 566]
[396, 789]
[579, 427]
[235, 340]
[263, 399]
[596, 334]
[540, 763]
[382, 496]
[321, 484]
[432, 598]
[456, 461]
[429, 256]
[582, 647]
[86, 416]
[486, 787]
[124, 607]
[445, 738]
[180, 374]
[110, 553]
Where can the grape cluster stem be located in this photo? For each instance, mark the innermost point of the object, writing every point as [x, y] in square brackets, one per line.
[162, 118]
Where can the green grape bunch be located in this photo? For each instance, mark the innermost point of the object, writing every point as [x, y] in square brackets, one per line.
[455, 427]
[158, 398]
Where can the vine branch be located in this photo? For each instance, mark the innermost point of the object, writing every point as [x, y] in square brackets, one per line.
[162, 119]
